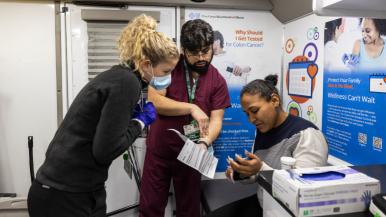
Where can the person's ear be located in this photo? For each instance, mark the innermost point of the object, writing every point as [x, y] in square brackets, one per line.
[275, 100]
[184, 51]
[144, 65]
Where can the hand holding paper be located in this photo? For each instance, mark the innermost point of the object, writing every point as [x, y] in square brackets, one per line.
[196, 157]
[202, 119]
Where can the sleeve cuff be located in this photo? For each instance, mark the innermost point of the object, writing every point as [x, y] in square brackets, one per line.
[204, 142]
[265, 167]
[250, 180]
[140, 123]
[253, 178]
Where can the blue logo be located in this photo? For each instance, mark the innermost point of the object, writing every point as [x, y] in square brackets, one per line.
[193, 15]
[366, 198]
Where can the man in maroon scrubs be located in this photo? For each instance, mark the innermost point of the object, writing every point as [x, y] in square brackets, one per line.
[193, 104]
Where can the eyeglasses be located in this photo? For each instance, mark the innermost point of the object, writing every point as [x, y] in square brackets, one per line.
[197, 54]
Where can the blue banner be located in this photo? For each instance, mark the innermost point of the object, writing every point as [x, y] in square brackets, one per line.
[354, 116]
[237, 133]
[354, 92]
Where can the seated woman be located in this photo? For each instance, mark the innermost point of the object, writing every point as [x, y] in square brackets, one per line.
[277, 134]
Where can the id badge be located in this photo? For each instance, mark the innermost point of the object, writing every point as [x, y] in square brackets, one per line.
[192, 131]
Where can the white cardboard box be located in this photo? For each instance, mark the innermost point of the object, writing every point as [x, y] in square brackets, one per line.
[13, 207]
[309, 197]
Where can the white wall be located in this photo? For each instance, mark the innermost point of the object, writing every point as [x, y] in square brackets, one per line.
[27, 89]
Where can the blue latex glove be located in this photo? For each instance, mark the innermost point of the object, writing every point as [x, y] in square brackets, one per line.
[350, 60]
[148, 115]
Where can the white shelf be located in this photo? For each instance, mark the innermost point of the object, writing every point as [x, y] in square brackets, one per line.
[350, 8]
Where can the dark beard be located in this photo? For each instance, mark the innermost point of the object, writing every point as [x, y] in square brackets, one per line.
[199, 69]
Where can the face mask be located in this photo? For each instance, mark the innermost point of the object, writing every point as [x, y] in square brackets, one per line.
[199, 69]
[161, 82]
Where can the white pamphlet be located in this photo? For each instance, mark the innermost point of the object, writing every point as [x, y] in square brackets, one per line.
[196, 157]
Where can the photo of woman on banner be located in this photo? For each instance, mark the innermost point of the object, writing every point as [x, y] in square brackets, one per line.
[370, 50]
[333, 52]
[278, 134]
[234, 74]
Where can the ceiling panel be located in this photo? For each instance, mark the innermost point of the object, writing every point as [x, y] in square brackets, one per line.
[288, 10]
[224, 4]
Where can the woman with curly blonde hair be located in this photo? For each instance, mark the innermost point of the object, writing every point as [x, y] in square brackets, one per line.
[102, 122]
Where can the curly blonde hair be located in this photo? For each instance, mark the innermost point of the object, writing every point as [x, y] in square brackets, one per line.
[139, 41]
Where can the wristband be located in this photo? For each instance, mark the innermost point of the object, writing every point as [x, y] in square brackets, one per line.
[205, 143]
[141, 124]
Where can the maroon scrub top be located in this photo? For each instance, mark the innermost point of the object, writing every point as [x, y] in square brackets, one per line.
[211, 94]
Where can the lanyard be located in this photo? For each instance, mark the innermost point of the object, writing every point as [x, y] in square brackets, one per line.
[142, 101]
[191, 92]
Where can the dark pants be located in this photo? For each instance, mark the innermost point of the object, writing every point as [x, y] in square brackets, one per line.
[247, 207]
[49, 202]
[155, 184]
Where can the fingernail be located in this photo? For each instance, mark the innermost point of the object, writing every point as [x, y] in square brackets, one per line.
[237, 155]
[229, 159]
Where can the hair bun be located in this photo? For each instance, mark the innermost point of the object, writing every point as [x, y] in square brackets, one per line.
[271, 79]
[145, 22]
